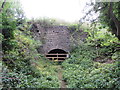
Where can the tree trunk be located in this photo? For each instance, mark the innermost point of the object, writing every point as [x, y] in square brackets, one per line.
[115, 20]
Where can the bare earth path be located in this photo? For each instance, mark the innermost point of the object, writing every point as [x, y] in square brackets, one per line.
[63, 83]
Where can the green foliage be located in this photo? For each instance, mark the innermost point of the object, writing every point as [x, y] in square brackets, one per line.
[116, 56]
[12, 16]
[100, 36]
[46, 22]
[104, 17]
[25, 67]
[107, 18]
[1, 38]
[80, 71]
[73, 27]
[107, 13]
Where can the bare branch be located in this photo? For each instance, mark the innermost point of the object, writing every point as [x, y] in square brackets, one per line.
[3, 4]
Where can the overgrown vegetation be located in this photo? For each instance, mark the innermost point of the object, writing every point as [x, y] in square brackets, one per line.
[23, 66]
[94, 62]
[107, 13]
[83, 70]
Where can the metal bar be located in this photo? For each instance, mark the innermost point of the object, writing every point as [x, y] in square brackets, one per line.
[56, 57]
[59, 60]
[56, 54]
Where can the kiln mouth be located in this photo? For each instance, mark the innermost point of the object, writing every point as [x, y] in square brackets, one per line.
[57, 55]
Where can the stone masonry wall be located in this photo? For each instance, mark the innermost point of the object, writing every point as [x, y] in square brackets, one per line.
[57, 37]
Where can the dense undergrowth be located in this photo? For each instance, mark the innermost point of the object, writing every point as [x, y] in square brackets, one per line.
[24, 67]
[94, 63]
[93, 67]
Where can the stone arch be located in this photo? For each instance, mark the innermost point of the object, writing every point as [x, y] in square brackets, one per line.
[59, 48]
[57, 54]
[59, 51]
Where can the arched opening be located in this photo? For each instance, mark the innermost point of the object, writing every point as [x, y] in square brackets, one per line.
[60, 51]
[57, 55]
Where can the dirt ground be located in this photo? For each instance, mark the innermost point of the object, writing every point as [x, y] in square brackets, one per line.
[62, 82]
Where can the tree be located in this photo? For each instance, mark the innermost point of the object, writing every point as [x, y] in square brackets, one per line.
[12, 16]
[113, 19]
[109, 15]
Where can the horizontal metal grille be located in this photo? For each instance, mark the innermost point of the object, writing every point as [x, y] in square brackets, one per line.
[56, 57]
